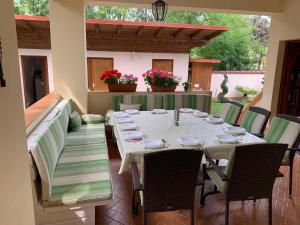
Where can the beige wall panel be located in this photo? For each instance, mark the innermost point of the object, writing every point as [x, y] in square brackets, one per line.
[67, 28]
[16, 204]
[284, 27]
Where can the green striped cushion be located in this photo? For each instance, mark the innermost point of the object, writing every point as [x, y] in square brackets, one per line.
[82, 175]
[116, 100]
[283, 131]
[148, 102]
[253, 122]
[231, 113]
[88, 134]
[154, 102]
[45, 154]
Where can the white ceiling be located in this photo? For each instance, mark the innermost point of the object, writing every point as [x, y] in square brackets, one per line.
[235, 6]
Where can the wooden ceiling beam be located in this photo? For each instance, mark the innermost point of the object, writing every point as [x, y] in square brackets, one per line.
[195, 34]
[178, 32]
[212, 35]
[139, 31]
[97, 28]
[118, 29]
[28, 26]
[158, 32]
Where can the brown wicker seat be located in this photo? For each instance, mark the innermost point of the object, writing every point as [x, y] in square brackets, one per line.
[169, 181]
[249, 175]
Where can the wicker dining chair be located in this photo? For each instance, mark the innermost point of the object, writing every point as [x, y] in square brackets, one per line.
[285, 129]
[249, 175]
[169, 181]
[232, 111]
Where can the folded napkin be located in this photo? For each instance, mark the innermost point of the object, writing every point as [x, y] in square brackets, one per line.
[121, 114]
[133, 135]
[159, 111]
[124, 120]
[128, 126]
[153, 143]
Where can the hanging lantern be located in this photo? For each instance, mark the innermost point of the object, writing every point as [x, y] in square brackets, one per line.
[159, 10]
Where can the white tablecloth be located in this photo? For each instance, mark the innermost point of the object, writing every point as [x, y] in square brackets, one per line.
[162, 126]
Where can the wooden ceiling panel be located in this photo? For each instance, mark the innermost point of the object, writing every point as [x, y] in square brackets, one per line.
[106, 35]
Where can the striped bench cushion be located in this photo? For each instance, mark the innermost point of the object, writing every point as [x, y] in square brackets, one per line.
[82, 175]
[200, 102]
[283, 131]
[148, 102]
[231, 113]
[46, 153]
[88, 134]
[253, 122]
[168, 101]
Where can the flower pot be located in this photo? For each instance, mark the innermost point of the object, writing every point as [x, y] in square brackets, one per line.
[163, 89]
[122, 87]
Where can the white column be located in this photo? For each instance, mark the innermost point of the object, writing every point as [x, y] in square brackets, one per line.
[68, 44]
[16, 205]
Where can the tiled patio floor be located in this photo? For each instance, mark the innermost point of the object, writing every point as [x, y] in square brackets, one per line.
[286, 211]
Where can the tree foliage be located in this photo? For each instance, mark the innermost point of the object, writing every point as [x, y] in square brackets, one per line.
[32, 7]
[242, 47]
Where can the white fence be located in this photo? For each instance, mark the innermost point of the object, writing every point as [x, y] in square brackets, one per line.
[252, 79]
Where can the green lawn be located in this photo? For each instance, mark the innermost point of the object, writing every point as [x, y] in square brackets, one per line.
[217, 107]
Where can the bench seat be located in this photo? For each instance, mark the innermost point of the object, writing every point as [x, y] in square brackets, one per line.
[88, 134]
[81, 175]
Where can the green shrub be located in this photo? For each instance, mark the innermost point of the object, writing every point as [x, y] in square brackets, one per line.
[246, 90]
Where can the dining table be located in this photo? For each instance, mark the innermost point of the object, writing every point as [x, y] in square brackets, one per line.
[162, 126]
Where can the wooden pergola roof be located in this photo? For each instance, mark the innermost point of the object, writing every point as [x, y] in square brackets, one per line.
[107, 35]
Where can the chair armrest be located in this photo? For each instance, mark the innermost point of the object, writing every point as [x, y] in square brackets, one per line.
[216, 168]
[136, 178]
[258, 135]
[294, 150]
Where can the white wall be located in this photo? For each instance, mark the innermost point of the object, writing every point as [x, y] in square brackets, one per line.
[138, 63]
[252, 80]
[16, 205]
[37, 52]
[126, 62]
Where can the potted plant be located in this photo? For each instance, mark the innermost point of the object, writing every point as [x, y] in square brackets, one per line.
[186, 86]
[161, 81]
[118, 83]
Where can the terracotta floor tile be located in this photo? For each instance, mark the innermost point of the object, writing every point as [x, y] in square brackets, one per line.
[286, 210]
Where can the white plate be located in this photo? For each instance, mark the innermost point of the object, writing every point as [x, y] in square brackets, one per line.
[227, 139]
[128, 126]
[121, 114]
[133, 135]
[200, 114]
[153, 143]
[190, 141]
[235, 130]
[186, 110]
[132, 111]
[159, 111]
[215, 120]
[124, 120]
